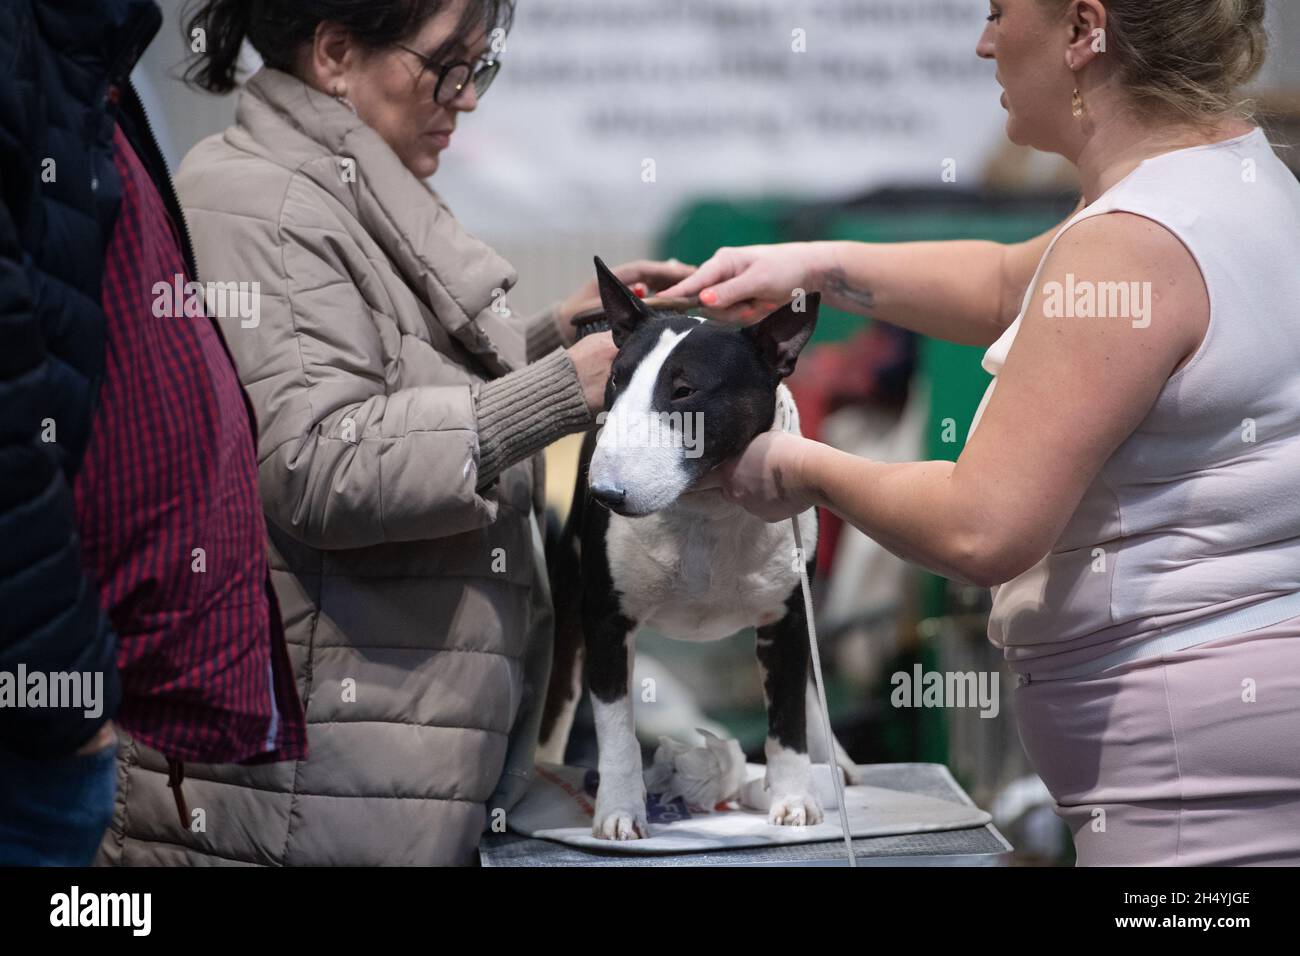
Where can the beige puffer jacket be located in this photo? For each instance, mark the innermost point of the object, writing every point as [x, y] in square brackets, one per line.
[389, 385]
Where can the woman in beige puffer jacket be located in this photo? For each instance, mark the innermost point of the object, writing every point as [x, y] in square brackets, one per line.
[401, 412]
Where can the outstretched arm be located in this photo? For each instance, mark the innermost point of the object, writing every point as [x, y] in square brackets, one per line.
[1071, 391]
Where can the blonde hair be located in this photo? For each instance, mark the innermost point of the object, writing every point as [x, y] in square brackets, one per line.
[1187, 58]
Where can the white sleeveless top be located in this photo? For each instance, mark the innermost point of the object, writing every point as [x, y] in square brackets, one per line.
[1197, 513]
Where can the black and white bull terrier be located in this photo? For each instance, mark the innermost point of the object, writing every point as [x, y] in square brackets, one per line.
[684, 394]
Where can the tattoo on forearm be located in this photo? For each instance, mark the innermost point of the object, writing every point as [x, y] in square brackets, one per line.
[839, 287]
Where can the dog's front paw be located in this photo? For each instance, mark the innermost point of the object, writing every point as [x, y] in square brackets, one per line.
[619, 823]
[794, 810]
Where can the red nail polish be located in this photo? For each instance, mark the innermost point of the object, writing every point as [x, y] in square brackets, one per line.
[709, 297]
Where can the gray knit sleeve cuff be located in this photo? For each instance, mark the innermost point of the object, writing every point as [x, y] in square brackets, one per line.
[524, 411]
[541, 336]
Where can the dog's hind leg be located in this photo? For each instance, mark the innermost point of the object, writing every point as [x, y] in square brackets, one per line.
[783, 660]
[564, 691]
[564, 568]
[609, 633]
[562, 699]
[817, 751]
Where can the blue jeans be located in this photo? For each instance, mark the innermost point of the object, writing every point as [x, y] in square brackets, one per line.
[54, 811]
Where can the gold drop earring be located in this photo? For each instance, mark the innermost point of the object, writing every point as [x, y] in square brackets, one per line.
[1076, 103]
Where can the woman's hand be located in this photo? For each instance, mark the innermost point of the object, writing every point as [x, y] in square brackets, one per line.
[743, 284]
[592, 356]
[769, 478]
[644, 276]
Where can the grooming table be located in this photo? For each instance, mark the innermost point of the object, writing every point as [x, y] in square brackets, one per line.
[976, 846]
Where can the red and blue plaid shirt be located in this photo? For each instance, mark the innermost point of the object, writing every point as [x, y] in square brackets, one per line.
[169, 516]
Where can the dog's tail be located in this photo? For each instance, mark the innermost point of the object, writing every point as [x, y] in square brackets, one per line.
[564, 568]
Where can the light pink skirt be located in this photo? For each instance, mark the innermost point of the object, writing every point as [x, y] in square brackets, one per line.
[1190, 758]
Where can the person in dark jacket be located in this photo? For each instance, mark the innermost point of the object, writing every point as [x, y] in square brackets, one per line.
[133, 572]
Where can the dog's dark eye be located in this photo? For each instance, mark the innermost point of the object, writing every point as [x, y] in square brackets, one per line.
[683, 391]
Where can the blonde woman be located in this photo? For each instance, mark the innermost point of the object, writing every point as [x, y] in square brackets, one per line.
[1128, 488]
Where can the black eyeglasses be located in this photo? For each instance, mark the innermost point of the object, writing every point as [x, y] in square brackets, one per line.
[453, 77]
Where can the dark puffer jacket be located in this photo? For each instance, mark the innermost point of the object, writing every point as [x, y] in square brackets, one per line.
[60, 196]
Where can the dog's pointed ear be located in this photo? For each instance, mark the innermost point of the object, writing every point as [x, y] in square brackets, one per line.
[781, 336]
[623, 309]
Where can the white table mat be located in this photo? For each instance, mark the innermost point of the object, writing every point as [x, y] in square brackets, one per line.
[561, 801]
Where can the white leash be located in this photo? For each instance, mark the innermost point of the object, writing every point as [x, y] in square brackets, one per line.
[831, 762]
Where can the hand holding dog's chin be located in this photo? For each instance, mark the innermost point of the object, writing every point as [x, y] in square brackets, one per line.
[769, 478]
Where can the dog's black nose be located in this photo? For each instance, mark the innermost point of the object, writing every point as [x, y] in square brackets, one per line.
[608, 496]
